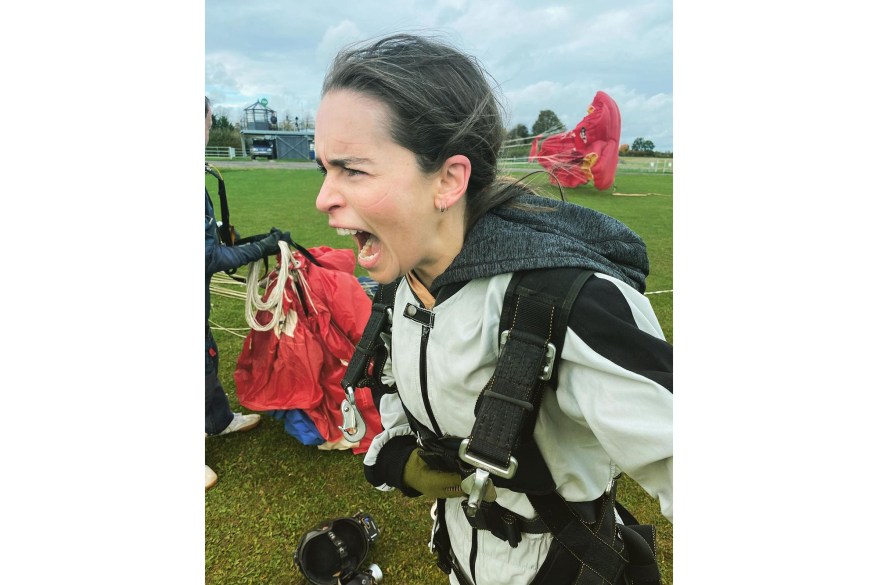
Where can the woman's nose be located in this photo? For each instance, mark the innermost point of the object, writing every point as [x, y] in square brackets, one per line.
[328, 197]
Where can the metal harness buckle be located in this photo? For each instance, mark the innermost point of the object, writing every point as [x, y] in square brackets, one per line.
[481, 480]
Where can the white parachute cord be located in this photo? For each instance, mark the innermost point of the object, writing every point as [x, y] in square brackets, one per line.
[274, 301]
[232, 331]
[224, 292]
[223, 278]
[220, 282]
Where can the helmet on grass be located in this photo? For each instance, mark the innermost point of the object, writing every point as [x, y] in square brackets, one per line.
[333, 550]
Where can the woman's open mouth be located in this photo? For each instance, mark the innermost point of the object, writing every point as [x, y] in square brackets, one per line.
[367, 244]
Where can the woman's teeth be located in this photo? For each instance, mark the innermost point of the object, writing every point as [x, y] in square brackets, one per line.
[365, 240]
[366, 249]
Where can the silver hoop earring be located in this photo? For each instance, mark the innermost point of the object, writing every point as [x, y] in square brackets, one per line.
[442, 207]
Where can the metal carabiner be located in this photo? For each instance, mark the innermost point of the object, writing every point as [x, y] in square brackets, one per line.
[480, 488]
[353, 426]
[479, 485]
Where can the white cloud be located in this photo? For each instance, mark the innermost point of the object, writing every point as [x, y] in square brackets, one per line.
[550, 55]
[336, 37]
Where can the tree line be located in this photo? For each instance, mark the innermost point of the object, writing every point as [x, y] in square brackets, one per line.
[225, 133]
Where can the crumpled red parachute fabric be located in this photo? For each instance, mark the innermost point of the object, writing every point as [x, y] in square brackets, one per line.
[589, 152]
[299, 363]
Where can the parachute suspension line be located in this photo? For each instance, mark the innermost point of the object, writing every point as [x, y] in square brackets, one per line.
[224, 292]
[274, 301]
[543, 171]
[220, 282]
[219, 327]
[225, 279]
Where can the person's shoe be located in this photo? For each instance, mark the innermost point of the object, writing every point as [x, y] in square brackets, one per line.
[209, 478]
[242, 422]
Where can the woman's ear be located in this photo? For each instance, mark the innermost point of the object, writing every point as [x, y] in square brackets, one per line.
[453, 181]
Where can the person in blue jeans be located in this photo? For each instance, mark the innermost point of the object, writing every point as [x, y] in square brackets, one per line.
[218, 416]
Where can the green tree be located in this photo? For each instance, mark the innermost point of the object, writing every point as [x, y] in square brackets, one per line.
[224, 133]
[641, 145]
[547, 122]
[519, 131]
[221, 122]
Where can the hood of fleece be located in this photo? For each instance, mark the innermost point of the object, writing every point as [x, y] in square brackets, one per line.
[560, 234]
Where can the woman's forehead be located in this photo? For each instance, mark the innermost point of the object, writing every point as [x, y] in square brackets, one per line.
[351, 118]
[347, 104]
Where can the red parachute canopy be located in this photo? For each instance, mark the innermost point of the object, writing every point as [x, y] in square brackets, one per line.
[589, 152]
[296, 366]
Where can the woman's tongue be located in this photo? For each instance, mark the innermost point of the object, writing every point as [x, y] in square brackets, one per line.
[369, 251]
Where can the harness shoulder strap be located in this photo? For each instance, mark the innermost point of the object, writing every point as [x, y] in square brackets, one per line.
[533, 325]
[226, 230]
[227, 234]
[357, 374]
[370, 350]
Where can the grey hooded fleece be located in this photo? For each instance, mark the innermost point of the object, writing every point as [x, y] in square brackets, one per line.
[555, 234]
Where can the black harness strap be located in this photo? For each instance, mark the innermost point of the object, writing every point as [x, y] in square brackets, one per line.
[504, 524]
[304, 251]
[226, 230]
[592, 545]
[537, 317]
[640, 546]
[585, 549]
[371, 348]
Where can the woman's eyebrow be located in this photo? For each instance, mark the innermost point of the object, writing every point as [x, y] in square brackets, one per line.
[346, 161]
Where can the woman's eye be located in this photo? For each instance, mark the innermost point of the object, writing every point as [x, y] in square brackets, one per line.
[352, 172]
[322, 170]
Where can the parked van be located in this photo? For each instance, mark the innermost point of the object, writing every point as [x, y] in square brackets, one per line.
[262, 147]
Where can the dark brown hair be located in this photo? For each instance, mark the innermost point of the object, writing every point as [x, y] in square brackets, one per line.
[441, 105]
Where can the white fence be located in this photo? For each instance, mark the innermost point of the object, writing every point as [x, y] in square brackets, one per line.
[639, 164]
[223, 152]
[628, 165]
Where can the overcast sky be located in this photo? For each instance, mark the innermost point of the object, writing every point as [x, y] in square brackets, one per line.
[549, 55]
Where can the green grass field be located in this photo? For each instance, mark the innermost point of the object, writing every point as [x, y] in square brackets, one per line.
[272, 489]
